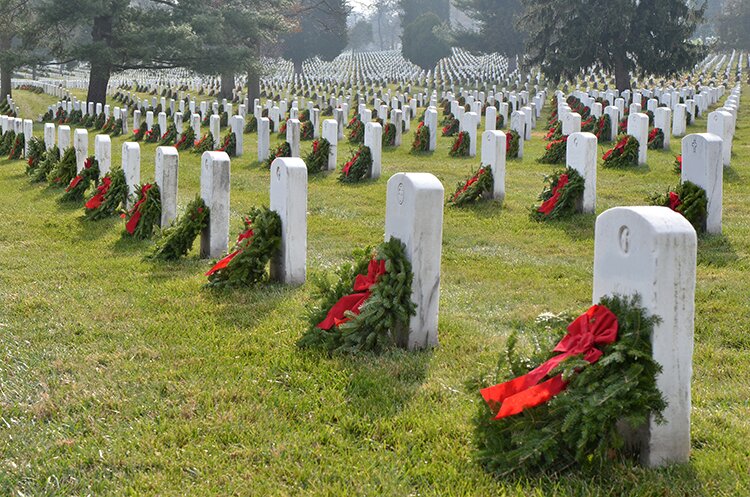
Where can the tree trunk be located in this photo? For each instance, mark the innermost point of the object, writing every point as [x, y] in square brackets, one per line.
[253, 86]
[622, 77]
[6, 73]
[227, 84]
[101, 69]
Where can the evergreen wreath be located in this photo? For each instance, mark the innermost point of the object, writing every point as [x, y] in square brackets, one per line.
[118, 128]
[282, 129]
[555, 152]
[177, 240]
[451, 129]
[624, 154]
[252, 125]
[372, 319]
[283, 150]
[421, 141]
[37, 151]
[624, 124]
[187, 140]
[76, 190]
[140, 133]
[170, 136]
[306, 130]
[46, 164]
[65, 169]
[656, 139]
[499, 121]
[17, 149]
[603, 128]
[512, 144]
[6, 144]
[145, 215]
[246, 264]
[561, 196]
[677, 165]
[205, 144]
[154, 134]
[99, 121]
[555, 132]
[589, 125]
[389, 135]
[317, 159]
[579, 426]
[109, 126]
[469, 191]
[688, 199]
[461, 144]
[304, 115]
[111, 195]
[229, 144]
[356, 130]
[358, 166]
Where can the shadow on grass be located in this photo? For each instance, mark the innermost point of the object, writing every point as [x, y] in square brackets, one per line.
[246, 307]
[93, 230]
[579, 227]
[128, 244]
[381, 385]
[715, 250]
[731, 175]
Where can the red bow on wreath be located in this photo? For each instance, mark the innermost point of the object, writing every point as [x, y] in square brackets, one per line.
[362, 284]
[223, 263]
[101, 191]
[549, 204]
[135, 212]
[74, 182]
[598, 326]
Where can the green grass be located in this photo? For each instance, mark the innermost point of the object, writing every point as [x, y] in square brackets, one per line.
[125, 377]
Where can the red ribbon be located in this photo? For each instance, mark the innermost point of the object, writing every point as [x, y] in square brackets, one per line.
[101, 191]
[74, 182]
[362, 285]
[598, 326]
[549, 204]
[135, 212]
[223, 263]
[674, 201]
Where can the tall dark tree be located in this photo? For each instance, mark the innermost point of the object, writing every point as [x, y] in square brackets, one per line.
[320, 29]
[115, 35]
[19, 35]
[496, 20]
[421, 43]
[412, 9]
[733, 25]
[623, 36]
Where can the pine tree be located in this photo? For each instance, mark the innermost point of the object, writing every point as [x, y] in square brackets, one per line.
[623, 36]
[19, 36]
[497, 31]
[320, 30]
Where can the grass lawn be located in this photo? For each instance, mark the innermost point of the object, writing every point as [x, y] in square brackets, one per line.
[125, 377]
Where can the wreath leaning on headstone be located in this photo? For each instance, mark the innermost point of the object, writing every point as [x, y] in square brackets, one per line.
[18, 147]
[283, 150]
[367, 306]
[35, 156]
[357, 168]
[471, 190]
[555, 151]
[65, 169]
[512, 144]
[421, 141]
[317, 159]
[461, 145]
[561, 196]
[110, 196]
[656, 139]
[177, 239]
[76, 190]
[688, 199]
[145, 215]
[623, 154]
[565, 409]
[205, 144]
[246, 263]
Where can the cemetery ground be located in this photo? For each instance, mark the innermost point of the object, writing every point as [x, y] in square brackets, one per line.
[123, 376]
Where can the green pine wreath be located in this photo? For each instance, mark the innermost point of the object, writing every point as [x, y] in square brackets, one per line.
[170, 136]
[384, 316]
[580, 426]
[229, 144]
[18, 147]
[356, 130]
[148, 206]
[6, 144]
[76, 190]
[555, 152]
[479, 184]
[389, 135]
[451, 128]
[249, 265]
[37, 152]
[357, 168]
[421, 141]
[569, 196]
[317, 159]
[688, 199]
[153, 135]
[177, 239]
[205, 144]
[140, 133]
[656, 139]
[110, 197]
[461, 144]
[65, 169]
[283, 150]
[512, 144]
[46, 164]
[187, 140]
[251, 126]
[623, 154]
[604, 128]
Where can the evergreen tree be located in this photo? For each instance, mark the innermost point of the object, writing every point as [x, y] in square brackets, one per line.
[497, 31]
[421, 44]
[19, 36]
[412, 9]
[320, 30]
[623, 36]
[114, 35]
[733, 25]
